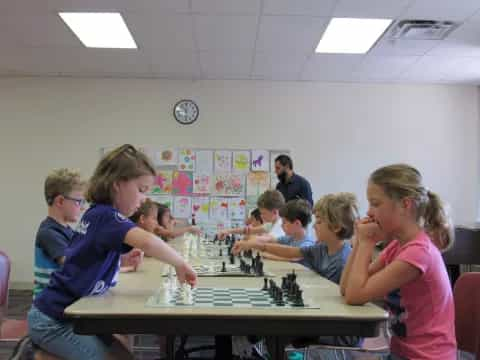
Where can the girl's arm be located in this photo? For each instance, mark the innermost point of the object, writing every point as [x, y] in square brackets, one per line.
[157, 248]
[175, 232]
[362, 287]
[282, 251]
[247, 230]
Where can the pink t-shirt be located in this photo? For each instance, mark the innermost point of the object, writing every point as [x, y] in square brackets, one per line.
[423, 310]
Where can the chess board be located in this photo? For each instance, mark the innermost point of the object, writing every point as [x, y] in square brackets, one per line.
[215, 270]
[222, 297]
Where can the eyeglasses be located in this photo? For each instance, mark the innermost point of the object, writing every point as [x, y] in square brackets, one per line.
[78, 202]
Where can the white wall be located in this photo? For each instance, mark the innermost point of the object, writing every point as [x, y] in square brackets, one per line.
[338, 134]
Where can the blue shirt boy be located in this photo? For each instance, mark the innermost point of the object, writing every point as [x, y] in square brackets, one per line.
[92, 260]
[50, 244]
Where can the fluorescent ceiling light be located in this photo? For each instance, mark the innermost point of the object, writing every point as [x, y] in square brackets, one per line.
[351, 35]
[100, 30]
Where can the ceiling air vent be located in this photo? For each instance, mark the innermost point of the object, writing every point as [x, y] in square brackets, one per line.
[421, 29]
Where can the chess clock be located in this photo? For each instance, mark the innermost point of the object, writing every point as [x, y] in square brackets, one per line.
[186, 112]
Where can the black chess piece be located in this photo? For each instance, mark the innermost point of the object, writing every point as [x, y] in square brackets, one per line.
[232, 259]
[242, 265]
[220, 253]
[247, 269]
[260, 268]
[224, 268]
[279, 299]
[215, 239]
[298, 301]
[265, 284]
[284, 283]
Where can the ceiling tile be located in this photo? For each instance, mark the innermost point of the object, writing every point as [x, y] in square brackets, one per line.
[330, 67]
[225, 32]
[228, 65]
[38, 30]
[384, 66]
[455, 10]
[389, 9]
[174, 32]
[278, 66]
[140, 6]
[299, 7]
[392, 47]
[290, 33]
[167, 63]
[210, 7]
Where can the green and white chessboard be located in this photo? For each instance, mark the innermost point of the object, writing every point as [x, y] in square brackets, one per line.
[222, 297]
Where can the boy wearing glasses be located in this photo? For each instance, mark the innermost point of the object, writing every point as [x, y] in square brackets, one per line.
[64, 193]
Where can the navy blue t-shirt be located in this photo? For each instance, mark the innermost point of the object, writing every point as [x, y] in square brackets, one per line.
[92, 260]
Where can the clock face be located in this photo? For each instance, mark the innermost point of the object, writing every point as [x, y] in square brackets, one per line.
[185, 112]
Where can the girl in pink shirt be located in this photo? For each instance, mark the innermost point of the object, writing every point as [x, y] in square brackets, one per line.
[409, 273]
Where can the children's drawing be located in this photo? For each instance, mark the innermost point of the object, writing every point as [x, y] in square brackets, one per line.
[182, 183]
[162, 183]
[218, 209]
[257, 183]
[204, 161]
[236, 208]
[201, 183]
[186, 160]
[241, 161]
[223, 161]
[201, 207]
[165, 157]
[260, 160]
[182, 207]
[228, 185]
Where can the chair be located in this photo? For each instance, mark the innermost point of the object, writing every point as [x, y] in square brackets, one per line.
[371, 349]
[10, 329]
[466, 294]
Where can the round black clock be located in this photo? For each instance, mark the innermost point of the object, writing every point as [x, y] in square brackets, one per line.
[185, 112]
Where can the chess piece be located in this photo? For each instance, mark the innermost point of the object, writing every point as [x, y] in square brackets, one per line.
[232, 259]
[279, 299]
[284, 283]
[265, 284]
[224, 268]
[298, 301]
[220, 252]
[260, 268]
[193, 220]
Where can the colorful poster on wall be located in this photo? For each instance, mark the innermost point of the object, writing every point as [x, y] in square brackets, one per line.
[186, 160]
[163, 199]
[182, 183]
[201, 208]
[218, 209]
[260, 160]
[162, 183]
[257, 183]
[165, 156]
[223, 161]
[182, 207]
[241, 161]
[201, 183]
[237, 209]
[204, 161]
[228, 185]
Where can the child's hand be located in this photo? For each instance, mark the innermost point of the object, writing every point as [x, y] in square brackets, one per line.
[185, 273]
[241, 246]
[222, 235]
[132, 259]
[368, 231]
[195, 230]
